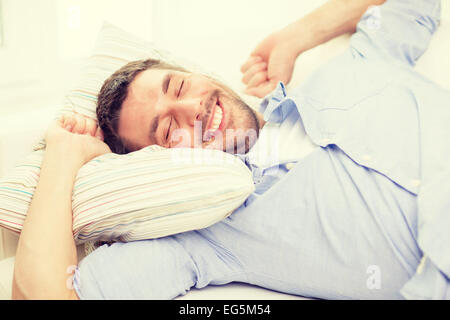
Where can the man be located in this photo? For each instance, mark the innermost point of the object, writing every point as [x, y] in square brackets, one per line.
[354, 205]
[149, 102]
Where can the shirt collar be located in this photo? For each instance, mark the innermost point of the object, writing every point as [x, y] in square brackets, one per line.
[274, 110]
[270, 106]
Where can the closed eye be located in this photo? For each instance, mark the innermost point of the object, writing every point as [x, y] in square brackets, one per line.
[168, 129]
[166, 82]
[179, 90]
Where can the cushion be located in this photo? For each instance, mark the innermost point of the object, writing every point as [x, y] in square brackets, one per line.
[150, 193]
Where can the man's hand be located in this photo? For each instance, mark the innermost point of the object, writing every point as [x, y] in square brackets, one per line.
[79, 134]
[272, 61]
[274, 58]
[46, 248]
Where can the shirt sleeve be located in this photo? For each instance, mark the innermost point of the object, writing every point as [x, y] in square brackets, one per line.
[152, 269]
[429, 283]
[399, 29]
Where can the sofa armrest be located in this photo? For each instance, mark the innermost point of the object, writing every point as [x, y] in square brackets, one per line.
[19, 132]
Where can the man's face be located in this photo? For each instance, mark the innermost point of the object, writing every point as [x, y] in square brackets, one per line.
[178, 109]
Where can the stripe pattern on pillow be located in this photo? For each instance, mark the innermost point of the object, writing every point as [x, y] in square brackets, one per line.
[140, 195]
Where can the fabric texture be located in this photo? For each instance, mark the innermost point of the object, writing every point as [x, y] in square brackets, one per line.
[149, 193]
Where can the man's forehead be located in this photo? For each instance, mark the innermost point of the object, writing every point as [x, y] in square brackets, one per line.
[155, 74]
[139, 88]
[146, 77]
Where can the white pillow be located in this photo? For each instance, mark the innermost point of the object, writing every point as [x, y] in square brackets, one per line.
[146, 194]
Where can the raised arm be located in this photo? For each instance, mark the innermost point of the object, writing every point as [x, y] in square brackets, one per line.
[273, 59]
[46, 253]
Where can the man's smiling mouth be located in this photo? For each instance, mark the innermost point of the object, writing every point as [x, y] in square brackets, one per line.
[217, 116]
[216, 122]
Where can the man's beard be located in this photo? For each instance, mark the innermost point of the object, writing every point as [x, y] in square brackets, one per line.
[242, 128]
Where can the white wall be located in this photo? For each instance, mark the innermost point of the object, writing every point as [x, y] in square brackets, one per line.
[219, 35]
[27, 48]
[44, 42]
[1, 25]
[80, 20]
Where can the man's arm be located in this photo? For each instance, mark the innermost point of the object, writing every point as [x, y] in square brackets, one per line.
[46, 247]
[329, 21]
[46, 254]
[398, 29]
[274, 58]
[162, 268]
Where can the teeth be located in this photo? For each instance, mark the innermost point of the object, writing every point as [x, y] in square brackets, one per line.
[217, 119]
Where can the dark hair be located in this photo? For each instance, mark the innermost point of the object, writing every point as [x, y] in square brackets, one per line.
[114, 92]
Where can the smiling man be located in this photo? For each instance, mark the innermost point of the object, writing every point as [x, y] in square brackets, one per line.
[149, 102]
[355, 206]
[351, 131]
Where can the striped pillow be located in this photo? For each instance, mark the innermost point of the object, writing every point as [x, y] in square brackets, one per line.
[150, 193]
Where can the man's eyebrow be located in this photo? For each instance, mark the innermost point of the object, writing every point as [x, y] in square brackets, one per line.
[165, 82]
[153, 126]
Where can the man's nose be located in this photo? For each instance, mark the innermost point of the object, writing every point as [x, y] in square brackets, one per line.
[186, 111]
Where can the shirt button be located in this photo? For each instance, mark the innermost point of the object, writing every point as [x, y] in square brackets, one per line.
[289, 165]
[415, 182]
[366, 157]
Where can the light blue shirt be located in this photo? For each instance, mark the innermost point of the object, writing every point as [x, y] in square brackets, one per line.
[366, 215]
